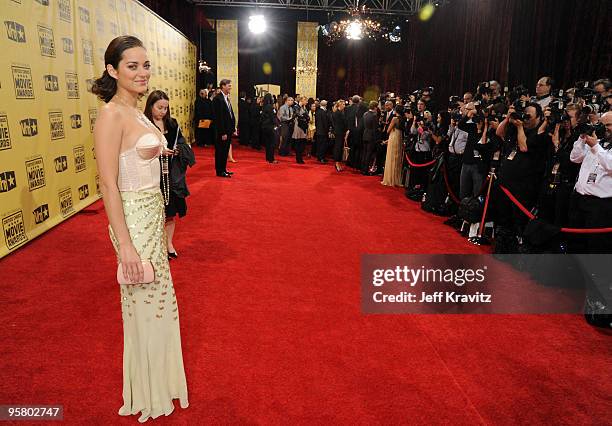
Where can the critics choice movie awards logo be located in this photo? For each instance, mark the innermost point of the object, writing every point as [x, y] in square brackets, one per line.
[61, 163]
[5, 135]
[51, 83]
[41, 213]
[65, 12]
[35, 170]
[84, 15]
[7, 181]
[29, 127]
[67, 45]
[87, 52]
[93, 114]
[83, 192]
[14, 230]
[65, 201]
[22, 78]
[15, 31]
[72, 85]
[75, 121]
[47, 43]
[56, 124]
[79, 158]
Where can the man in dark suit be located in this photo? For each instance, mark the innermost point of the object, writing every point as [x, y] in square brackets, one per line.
[381, 149]
[225, 126]
[370, 135]
[354, 118]
[323, 126]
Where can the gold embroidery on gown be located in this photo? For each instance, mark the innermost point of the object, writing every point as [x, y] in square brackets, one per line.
[394, 160]
[153, 372]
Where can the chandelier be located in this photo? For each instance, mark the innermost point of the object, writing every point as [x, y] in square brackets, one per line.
[358, 26]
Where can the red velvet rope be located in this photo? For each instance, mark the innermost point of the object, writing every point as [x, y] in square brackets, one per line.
[530, 215]
[448, 187]
[429, 163]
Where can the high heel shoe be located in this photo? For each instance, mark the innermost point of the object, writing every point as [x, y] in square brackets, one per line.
[338, 168]
[172, 255]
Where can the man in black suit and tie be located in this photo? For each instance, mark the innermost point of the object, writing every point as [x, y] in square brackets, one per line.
[225, 126]
[370, 135]
[354, 118]
[323, 126]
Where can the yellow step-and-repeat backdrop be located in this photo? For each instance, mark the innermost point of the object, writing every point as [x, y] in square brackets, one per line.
[51, 52]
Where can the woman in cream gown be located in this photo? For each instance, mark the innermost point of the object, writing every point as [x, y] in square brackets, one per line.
[395, 152]
[128, 147]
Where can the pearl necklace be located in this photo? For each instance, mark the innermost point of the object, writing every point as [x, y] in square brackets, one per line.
[165, 169]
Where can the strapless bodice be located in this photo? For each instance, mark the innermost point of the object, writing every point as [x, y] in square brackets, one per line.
[139, 168]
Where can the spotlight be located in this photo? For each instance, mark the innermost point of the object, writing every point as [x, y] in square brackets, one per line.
[257, 24]
[354, 31]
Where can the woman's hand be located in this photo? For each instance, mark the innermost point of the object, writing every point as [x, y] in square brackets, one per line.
[130, 263]
[169, 152]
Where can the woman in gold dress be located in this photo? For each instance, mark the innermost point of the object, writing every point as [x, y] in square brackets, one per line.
[128, 147]
[395, 151]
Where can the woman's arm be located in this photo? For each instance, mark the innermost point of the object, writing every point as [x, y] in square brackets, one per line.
[107, 142]
[392, 125]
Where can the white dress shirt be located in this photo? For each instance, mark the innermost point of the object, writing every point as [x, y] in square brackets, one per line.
[595, 177]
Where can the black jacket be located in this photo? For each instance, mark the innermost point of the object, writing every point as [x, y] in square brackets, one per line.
[267, 117]
[225, 122]
[355, 111]
[339, 124]
[322, 122]
[370, 126]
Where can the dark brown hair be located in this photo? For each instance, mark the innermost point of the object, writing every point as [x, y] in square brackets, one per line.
[105, 87]
[155, 96]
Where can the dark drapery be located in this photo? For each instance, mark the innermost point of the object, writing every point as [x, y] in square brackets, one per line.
[465, 42]
[276, 47]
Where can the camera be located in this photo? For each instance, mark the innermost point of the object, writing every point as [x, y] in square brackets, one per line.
[517, 92]
[586, 128]
[557, 109]
[519, 113]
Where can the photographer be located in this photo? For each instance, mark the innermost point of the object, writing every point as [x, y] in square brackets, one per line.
[420, 152]
[591, 207]
[591, 204]
[474, 162]
[543, 89]
[560, 173]
[520, 172]
[287, 116]
[435, 199]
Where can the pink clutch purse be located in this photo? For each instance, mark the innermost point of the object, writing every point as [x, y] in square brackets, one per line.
[149, 274]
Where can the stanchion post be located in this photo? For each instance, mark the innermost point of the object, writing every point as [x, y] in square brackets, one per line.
[480, 239]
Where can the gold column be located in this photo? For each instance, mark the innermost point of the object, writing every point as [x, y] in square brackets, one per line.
[227, 57]
[306, 61]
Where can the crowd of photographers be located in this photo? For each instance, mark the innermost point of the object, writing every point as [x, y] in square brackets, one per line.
[546, 155]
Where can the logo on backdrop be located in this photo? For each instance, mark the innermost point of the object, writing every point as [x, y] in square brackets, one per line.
[56, 123]
[67, 45]
[41, 213]
[61, 163]
[65, 201]
[98, 184]
[99, 23]
[22, 78]
[15, 31]
[35, 170]
[93, 115]
[87, 51]
[7, 181]
[84, 14]
[114, 28]
[43, 2]
[65, 12]
[5, 134]
[72, 85]
[75, 121]
[46, 40]
[14, 230]
[29, 127]
[51, 83]
[83, 192]
[90, 82]
[79, 158]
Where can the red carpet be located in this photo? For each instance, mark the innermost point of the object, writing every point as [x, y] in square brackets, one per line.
[268, 287]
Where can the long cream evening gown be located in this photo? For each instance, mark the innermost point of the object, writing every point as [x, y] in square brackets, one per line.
[394, 160]
[153, 373]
